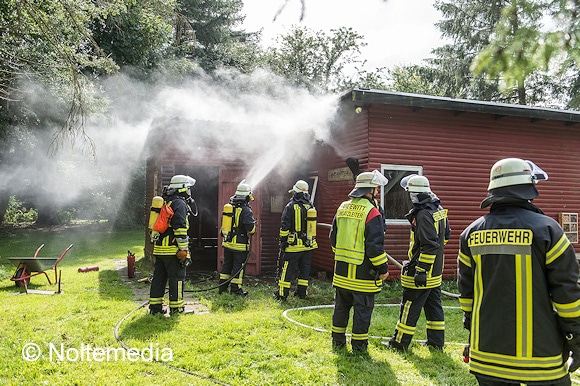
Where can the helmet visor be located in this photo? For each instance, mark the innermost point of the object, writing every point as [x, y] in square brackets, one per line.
[537, 173]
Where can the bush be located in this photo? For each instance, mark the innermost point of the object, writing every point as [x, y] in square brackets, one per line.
[16, 213]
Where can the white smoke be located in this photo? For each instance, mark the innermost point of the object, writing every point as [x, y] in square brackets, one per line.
[263, 116]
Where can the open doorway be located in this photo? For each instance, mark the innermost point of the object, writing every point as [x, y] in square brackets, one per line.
[203, 228]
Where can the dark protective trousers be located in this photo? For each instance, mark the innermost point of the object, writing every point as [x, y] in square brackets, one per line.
[167, 269]
[292, 262]
[232, 266]
[415, 300]
[363, 304]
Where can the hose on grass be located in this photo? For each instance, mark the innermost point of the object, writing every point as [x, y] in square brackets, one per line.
[180, 369]
[319, 329]
[392, 260]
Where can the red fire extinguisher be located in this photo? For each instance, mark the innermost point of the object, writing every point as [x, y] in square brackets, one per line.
[130, 264]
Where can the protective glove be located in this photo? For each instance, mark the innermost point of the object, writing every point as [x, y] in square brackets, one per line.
[572, 349]
[283, 242]
[182, 255]
[420, 277]
[467, 320]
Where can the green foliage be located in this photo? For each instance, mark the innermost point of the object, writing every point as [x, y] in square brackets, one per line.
[470, 65]
[218, 42]
[534, 37]
[468, 24]
[315, 60]
[17, 213]
[138, 36]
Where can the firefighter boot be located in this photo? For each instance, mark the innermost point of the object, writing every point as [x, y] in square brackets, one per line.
[281, 294]
[237, 290]
[223, 287]
[300, 292]
[176, 310]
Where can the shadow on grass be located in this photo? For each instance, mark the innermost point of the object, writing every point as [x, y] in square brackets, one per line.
[112, 287]
[439, 359]
[352, 369]
[429, 367]
[146, 327]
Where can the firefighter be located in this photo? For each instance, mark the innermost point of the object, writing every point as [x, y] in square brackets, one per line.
[360, 262]
[518, 284]
[171, 249]
[421, 275]
[296, 244]
[236, 241]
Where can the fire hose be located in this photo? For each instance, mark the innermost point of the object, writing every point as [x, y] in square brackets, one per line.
[392, 260]
[126, 347]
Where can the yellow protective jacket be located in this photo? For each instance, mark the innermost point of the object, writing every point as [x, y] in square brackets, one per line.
[357, 239]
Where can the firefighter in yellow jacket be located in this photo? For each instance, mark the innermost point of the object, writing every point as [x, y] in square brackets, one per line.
[171, 249]
[296, 243]
[236, 240]
[518, 284]
[421, 275]
[360, 262]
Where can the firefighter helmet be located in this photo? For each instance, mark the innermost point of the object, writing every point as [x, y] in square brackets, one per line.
[244, 190]
[180, 181]
[514, 171]
[370, 180]
[299, 187]
[366, 182]
[416, 184]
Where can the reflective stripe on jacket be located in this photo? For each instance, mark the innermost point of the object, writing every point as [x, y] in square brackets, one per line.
[357, 238]
[243, 225]
[178, 226]
[293, 227]
[430, 232]
[518, 276]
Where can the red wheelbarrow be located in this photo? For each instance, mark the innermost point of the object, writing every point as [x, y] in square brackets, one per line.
[27, 267]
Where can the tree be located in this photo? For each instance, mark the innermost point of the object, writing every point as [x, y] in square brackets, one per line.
[50, 62]
[140, 35]
[517, 51]
[471, 25]
[314, 59]
[468, 25]
[218, 42]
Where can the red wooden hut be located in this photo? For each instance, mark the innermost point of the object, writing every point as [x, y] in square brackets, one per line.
[453, 142]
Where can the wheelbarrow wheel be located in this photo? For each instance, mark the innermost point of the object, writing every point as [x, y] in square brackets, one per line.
[20, 283]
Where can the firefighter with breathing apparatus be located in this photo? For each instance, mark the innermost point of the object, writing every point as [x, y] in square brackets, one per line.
[238, 225]
[297, 241]
[518, 284]
[171, 247]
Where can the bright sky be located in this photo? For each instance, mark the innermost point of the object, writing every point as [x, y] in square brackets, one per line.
[398, 32]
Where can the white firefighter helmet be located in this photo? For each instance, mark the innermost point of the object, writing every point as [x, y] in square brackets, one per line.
[243, 190]
[415, 183]
[179, 181]
[514, 171]
[370, 179]
[366, 182]
[299, 187]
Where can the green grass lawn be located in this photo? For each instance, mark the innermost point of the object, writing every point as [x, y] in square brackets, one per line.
[240, 341]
